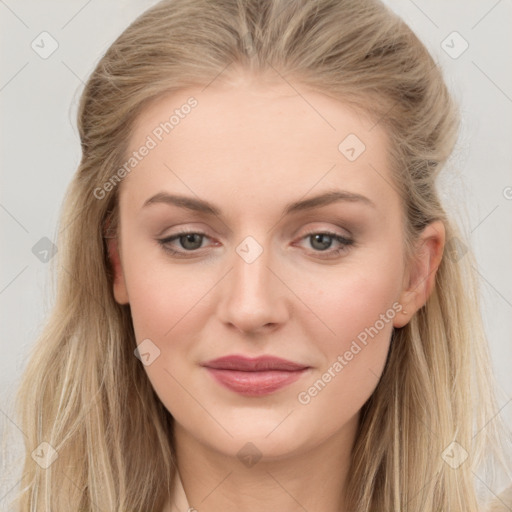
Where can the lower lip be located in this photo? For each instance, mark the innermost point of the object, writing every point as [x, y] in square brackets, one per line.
[255, 383]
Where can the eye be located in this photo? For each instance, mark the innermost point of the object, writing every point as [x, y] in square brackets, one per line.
[189, 241]
[322, 241]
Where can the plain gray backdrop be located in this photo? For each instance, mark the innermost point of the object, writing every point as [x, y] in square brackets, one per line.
[49, 49]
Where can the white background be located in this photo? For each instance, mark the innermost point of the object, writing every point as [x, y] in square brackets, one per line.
[40, 151]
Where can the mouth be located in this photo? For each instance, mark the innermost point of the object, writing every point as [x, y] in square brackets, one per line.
[254, 377]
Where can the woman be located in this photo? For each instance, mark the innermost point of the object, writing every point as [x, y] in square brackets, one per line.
[261, 302]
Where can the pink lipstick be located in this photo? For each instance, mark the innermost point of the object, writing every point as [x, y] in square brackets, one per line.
[254, 377]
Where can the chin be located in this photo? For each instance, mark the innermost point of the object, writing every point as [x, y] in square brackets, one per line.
[264, 438]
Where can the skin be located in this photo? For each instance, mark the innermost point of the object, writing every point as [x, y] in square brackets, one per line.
[250, 147]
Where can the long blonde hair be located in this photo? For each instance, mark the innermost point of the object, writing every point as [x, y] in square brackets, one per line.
[85, 393]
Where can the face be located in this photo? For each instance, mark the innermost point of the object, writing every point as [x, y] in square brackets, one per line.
[294, 249]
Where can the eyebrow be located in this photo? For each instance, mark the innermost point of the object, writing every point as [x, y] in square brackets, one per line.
[200, 205]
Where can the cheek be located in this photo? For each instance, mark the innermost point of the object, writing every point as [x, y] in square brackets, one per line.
[354, 298]
[163, 295]
[356, 310]
[169, 307]
[158, 307]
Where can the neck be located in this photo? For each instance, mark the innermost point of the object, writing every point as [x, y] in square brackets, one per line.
[312, 480]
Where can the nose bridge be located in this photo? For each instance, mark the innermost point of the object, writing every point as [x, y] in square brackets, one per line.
[250, 273]
[252, 296]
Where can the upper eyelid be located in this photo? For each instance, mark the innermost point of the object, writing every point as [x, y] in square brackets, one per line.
[311, 231]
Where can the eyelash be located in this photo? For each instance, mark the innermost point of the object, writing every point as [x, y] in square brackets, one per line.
[331, 253]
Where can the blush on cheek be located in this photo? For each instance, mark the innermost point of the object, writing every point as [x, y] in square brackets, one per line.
[362, 320]
[159, 298]
[367, 347]
[355, 305]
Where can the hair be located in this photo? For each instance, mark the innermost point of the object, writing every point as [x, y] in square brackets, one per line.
[85, 393]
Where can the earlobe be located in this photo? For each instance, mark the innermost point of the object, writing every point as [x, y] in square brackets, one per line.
[119, 285]
[422, 271]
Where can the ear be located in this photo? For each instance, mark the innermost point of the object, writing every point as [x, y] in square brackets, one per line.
[420, 276]
[120, 291]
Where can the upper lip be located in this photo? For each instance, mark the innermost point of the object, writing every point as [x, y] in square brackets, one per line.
[258, 364]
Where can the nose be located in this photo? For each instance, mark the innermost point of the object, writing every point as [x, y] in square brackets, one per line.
[252, 296]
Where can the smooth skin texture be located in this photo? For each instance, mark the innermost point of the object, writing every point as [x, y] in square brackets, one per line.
[250, 148]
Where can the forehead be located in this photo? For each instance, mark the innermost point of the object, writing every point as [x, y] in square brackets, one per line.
[249, 137]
